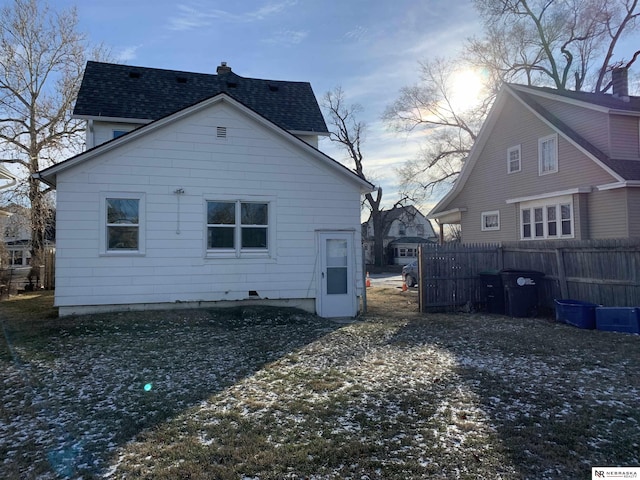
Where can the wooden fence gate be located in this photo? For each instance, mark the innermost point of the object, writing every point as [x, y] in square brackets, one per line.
[449, 274]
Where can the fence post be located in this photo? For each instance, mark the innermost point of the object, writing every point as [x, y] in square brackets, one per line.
[562, 277]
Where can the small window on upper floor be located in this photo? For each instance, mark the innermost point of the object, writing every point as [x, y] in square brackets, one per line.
[119, 133]
[513, 159]
[548, 155]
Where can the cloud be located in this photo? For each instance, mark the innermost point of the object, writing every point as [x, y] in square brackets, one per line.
[287, 37]
[126, 54]
[192, 16]
[357, 33]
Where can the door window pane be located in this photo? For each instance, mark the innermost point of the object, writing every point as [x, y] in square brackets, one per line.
[336, 252]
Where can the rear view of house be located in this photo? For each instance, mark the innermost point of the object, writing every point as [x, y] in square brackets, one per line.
[551, 164]
[201, 188]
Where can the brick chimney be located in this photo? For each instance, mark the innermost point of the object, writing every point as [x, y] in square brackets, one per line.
[222, 69]
[620, 84]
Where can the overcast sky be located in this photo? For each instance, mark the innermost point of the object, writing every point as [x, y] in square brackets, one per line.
[369, 47]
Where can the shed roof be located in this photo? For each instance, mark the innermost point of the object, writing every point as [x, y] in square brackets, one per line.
[130, 92]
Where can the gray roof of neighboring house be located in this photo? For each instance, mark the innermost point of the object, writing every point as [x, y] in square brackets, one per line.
[627, 169]
[125, 91]
[606, 100]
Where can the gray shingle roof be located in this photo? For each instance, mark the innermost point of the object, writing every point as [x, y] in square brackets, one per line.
[601, 99]
[124, 91]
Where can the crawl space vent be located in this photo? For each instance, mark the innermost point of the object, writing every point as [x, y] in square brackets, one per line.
[221, 132]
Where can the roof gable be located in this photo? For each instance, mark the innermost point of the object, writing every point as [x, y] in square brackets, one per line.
[49, 175]
[139, 93]
[622, 170]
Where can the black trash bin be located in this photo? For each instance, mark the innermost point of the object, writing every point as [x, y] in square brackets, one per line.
[492, 291]
[521, 292]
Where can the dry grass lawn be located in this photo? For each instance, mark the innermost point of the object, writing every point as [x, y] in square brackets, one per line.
[258, 393]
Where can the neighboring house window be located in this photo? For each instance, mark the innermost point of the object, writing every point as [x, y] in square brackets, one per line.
[490, 221]
[237, 226]
[513, 159]
[119, 133]
[15, 257]
[420, 230]
[123, 227]
[543, 221]
[548, 155]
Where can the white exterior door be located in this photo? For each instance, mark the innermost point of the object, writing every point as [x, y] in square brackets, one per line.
[337, 293]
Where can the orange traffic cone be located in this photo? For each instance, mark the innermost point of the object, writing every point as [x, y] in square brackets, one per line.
[404, 286]
[368, 280]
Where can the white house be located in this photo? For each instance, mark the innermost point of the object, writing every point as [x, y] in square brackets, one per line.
[407, 228]
[217, 202]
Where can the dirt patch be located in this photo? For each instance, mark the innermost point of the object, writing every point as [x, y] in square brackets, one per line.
[389, 302]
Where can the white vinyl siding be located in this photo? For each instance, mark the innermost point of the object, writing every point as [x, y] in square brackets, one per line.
[514, 159]
[548, 154]
[490, 221]
[253, 164]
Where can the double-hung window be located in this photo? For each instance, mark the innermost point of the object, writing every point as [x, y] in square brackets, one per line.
[237, 227]
[547, 220]
[123, 223]
[548, 155]
[513, 159]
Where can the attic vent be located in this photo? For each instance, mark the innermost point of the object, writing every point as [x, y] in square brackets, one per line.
[232, 84]
[273, 88]
[181, 79]
[221, 132]
[134, 74]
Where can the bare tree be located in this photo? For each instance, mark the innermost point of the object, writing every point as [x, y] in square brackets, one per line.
[42, 57]
[567, 44]
[348, 131]
[449, 129]
[560, 43]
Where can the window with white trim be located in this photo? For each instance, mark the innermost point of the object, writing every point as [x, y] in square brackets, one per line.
[490, 221]
[548, 154]
[544, 220]
[513, 159]
[123, 223]
[237, 227]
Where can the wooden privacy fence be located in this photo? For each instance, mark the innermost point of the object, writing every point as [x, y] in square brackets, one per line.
[18, 278]
[605, 272]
